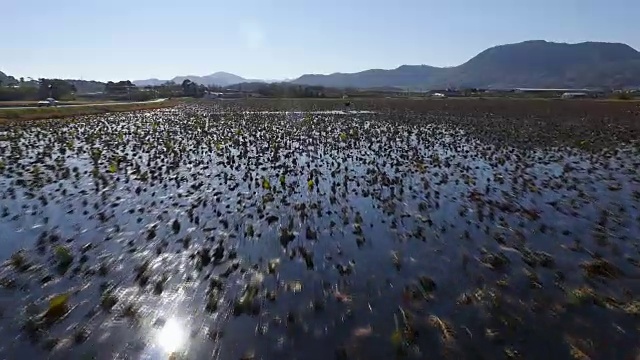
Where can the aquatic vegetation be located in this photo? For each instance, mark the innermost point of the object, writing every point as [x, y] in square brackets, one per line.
[58, 306]
[64, 256]
[245, 229]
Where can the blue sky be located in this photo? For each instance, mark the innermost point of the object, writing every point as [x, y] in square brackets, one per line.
[275, 39]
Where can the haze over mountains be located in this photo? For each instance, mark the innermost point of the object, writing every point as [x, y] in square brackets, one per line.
[535, 63]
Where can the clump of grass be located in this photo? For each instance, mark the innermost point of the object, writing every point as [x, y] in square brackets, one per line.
[496, 261]
[246, 302]
[108, 301]
[600, 268]
[19, 261]
[580, 296]
[64, 256]
[58, 306]
[446, 330]
[632, 308]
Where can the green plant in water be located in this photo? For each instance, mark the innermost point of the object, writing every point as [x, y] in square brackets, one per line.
[63, 255]
[96, 154]
[57, 306]
[266, 184]
[113, 167]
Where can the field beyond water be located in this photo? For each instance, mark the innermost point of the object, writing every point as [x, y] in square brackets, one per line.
[286, 229]
[8, 115]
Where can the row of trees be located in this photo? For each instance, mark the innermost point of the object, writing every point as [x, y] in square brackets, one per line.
[189, 88]
[38, 90]
[192, 89]
[66, 90]
[119, 88]
[10, 81]
[127, 91]
[18, 94]
[195, 90]
[287, 90]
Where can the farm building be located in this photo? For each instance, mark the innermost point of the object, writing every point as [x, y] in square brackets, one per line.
[212, 95]
[574, 95]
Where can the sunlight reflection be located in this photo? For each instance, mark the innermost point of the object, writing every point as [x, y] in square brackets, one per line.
[172, 337]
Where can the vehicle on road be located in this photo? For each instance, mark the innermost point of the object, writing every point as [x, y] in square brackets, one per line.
[48, 102]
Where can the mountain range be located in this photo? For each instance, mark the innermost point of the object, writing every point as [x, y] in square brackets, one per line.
[531, 64]
[219, 78]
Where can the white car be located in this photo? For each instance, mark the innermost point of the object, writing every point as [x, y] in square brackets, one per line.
[48, 102]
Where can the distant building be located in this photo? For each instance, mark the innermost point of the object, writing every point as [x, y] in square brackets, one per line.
[537, 90]
[575, 95]
[445, 93]
[212, 95]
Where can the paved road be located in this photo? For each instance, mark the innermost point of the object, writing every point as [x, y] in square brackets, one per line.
[81, 105]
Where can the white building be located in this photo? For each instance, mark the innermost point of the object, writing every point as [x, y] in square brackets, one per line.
[574, 95]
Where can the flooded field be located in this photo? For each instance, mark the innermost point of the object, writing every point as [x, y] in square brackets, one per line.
[304, 230]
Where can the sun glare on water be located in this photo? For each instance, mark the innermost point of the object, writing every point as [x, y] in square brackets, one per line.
[172, 337]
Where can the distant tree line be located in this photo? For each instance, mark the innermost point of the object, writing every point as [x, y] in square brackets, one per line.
[125, 90]
[38, 90]
[18, 94]
[189, 88]
[287, 90]
[119, 88]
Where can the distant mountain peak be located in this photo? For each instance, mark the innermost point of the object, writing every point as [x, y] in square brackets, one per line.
[222, 73]
[532, 42]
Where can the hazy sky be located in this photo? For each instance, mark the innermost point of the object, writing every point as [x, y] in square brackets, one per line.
[275, 39]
